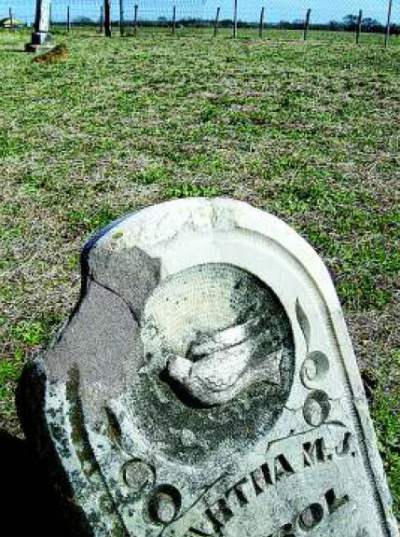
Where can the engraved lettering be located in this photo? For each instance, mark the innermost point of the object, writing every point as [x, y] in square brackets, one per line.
[346, 446]
[335, 503]
[267, 474]
[239, 493]
[261, 478]
[258, 480]
[282, 467]
[219, 513]
[311, 516]
[313, 452]
[328, 452]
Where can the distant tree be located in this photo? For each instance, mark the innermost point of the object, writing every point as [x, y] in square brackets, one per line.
[350, 22]
[297, 24]
[372, 25]
[334, 26]
[225, 23]
[83, 21]
[395, 29]
[284, 24]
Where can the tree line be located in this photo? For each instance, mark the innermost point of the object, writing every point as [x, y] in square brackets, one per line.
[348, 23]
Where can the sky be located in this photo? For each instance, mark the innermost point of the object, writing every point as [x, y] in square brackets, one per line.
[249, 10]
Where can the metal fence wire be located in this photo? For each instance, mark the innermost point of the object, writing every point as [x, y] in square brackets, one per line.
[130, 15]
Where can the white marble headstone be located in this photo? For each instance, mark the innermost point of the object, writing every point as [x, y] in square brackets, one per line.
[206, 386]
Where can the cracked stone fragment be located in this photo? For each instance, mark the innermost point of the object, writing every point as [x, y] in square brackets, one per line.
[205, 385]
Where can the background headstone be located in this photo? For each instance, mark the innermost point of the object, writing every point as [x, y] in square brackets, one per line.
[206, 385]
[41, 27]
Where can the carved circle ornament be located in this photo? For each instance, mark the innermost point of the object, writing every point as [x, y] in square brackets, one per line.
[218, 361]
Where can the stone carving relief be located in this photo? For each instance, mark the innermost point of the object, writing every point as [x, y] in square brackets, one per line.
[218, 350]
[217, 331]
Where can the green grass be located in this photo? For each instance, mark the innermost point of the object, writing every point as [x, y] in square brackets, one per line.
[307, 131]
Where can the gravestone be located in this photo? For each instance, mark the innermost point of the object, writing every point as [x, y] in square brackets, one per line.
[41, 26]
[205, 385]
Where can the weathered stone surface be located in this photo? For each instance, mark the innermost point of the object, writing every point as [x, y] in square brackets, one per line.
[206, 385]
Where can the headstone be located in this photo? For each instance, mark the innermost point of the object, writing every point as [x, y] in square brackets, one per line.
[206, 385]
[42, 23]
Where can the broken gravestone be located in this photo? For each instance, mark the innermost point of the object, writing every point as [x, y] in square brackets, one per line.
[206, 385]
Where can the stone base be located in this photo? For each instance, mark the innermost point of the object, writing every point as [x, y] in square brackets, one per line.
[30, 47]
[39, 39]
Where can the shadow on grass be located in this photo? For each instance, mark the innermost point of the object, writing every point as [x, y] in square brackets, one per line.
[29, 506]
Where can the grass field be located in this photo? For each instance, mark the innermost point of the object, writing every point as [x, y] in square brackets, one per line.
[307, 131]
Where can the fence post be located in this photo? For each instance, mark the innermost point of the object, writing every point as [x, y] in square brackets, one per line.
[173, 20]
[135, 20]
[216, 21]
[235, 18]
[68, 19]
[121, 18]
[389, 18]
[101, 20]
[261, 30]
[10, 16]
[359, 26]
[307, 24]
[107, 18]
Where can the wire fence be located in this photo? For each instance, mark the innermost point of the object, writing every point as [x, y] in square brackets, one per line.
[132, 16]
